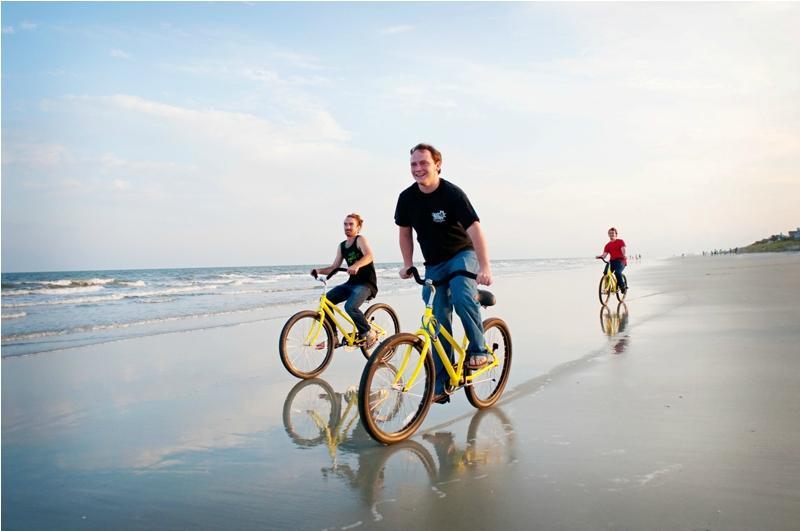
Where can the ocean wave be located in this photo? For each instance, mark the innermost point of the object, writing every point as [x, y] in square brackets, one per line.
[134, 284]
[15, 315]
[64, 286]
[189, 290]
[66, 290]
[16, 338]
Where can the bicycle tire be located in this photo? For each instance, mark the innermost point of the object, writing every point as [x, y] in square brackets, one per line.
[605, 319]
[604, 291]
[293, 336]
[372, 397]
[489, 387]
[390, 316]
[385, 470]
[495, 444]
[620, 294]
[291, 420]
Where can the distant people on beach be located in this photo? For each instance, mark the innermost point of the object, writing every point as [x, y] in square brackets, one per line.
[615, 250]
[450, 236]
[362, 284]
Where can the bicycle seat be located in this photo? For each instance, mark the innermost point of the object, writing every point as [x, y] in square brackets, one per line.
[486, 298]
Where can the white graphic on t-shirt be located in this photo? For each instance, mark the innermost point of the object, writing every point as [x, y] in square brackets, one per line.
[438, 217]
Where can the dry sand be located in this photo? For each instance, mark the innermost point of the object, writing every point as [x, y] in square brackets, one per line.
[687, 416]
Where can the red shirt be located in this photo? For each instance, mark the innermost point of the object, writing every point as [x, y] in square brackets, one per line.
[614, 250]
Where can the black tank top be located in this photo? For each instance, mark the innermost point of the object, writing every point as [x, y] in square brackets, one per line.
[366, 274]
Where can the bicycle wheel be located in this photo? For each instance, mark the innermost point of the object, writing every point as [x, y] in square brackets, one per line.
[388, 412]
[620, 294]
[309, 408]
[403, 472]
[606, 320]
[381, 318]
[486, 389]
[622, 315]
[605, 290]
[300, 358]
[490, 439]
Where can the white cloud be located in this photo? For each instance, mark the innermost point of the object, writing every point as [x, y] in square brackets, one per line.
[121, 184]
[420, 96]
[39, 156]
[394, 30]
[298, 60]
[119, 54]
[242, 129]
[25, 26]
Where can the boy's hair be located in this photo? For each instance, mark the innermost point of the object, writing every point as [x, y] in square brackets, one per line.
[355, 217]
[435, 154]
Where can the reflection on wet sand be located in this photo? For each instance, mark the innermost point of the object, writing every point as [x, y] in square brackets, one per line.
[404, 473]
[613, 323]
[313, 414]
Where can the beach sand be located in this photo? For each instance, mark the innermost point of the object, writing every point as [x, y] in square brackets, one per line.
[682, 411]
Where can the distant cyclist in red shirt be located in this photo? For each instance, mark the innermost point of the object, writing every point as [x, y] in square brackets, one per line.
[615, 250]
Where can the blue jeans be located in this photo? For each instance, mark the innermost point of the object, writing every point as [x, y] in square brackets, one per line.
[617, 266]
[355, 295]
[462, 293]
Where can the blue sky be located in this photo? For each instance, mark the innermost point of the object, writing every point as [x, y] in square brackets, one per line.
[199, 134]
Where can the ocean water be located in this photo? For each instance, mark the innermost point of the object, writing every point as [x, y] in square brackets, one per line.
[43, 312]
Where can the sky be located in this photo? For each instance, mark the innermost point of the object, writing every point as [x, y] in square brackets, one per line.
[146, 135]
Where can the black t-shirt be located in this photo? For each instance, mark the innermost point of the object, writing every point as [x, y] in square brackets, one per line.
[366, 275]
[439, 218]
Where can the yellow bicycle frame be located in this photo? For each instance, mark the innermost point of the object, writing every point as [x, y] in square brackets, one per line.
[612, 279]
[429, 337]
[338, 434]
[329, 309]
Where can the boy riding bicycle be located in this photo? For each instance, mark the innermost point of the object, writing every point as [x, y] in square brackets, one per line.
[450, 236]
[362, 284]
[615, 250]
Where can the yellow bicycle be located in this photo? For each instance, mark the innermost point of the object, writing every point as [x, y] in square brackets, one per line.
[397, 384]
[308, 338]
[608, 285]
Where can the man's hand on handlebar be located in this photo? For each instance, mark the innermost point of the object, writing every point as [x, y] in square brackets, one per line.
[405, 272]
[484, 277]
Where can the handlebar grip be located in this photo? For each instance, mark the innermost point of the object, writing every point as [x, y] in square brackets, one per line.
[335, 271]
[413, 271]
[445, 280]
[314, 273]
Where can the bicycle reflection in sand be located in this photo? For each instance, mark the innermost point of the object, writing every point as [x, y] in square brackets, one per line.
[613, 323]
[406, 472]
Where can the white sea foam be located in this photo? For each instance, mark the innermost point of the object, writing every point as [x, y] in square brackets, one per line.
[67, 290]
[14, 338]
[189, 290]
[15, 315]
[136, 284]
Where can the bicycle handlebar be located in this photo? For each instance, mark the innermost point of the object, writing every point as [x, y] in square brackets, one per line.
[329, 275]
[461, 272]
[601, 258]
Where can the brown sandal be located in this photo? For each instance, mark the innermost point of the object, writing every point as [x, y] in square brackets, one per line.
[478, 361]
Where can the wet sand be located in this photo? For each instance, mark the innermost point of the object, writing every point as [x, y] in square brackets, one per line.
[678, 410]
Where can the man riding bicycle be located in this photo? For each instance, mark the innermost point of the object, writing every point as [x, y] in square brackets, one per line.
[362, 284]
[450, 236]
[615, 250]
